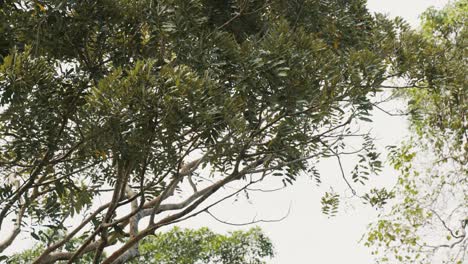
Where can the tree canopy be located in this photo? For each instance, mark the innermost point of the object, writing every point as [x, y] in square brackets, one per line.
[154, 106]
[428, 223]
[203, 246]
[185, 246]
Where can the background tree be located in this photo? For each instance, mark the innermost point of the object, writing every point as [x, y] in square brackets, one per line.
[154, 106]
[185, 246]
[29, 255]
[428, 223]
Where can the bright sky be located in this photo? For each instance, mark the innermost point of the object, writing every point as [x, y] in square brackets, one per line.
[408, 9]
[306, 236]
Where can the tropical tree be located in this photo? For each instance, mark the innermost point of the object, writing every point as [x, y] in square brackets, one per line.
[185, 246]
[429, 222]
[134, 113]
[29, 255]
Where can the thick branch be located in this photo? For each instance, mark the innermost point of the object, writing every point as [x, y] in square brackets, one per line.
[15, 232]
[169, 219]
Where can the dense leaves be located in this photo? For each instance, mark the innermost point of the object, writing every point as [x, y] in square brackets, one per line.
[136, 97]
[185, 246]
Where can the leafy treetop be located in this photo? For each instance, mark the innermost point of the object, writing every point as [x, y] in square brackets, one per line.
[139, 96]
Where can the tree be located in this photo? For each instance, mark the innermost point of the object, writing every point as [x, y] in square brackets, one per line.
[203, 246]
[29, 255]
[428, 223]
[186, 246]
[139, 103]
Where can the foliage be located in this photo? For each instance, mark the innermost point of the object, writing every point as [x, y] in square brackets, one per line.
[203, 246]
[149, 99]
[29, 255]
[185, 246]
[428, 224]
[330, 202]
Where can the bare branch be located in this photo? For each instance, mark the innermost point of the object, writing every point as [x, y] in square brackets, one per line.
[251, 222]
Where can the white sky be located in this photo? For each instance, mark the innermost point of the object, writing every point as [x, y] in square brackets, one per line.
[306, 236]
[408, 9]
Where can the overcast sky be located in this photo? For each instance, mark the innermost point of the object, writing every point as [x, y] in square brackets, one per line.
[408, 9]
[306, 236]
